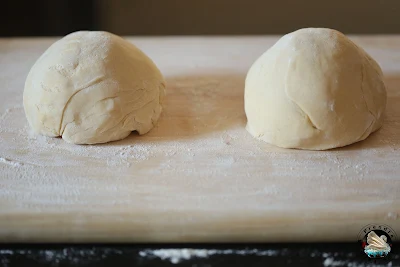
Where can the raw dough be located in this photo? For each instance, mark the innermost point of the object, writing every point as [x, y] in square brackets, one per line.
[93, 87]
[314, 89]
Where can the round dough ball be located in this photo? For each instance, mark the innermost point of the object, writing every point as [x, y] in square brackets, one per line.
[314, 89]
[93, 87]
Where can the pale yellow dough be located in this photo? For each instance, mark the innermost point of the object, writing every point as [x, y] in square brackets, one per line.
[314, 89]
[93, 87]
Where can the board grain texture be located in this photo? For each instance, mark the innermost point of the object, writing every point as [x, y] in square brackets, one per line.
[198, 176]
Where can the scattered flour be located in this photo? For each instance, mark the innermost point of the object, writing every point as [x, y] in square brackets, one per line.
[332, 262]
[177, 255]
[89, 255]
[332, 106]
[217, 153]
[392, 216]
[10, 162]
[199, 157]
[59, 257]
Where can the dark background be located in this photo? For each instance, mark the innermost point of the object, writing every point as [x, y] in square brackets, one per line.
[196, 17]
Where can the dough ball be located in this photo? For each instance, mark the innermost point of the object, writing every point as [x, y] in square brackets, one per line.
[93, 87]
[314, 89]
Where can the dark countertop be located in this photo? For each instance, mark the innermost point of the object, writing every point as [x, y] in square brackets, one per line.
[194, 255]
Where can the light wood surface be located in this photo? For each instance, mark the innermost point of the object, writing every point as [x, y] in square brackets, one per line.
[198, 176]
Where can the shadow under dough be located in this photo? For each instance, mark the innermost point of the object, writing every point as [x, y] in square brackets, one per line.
[196, 105]
[200, 104]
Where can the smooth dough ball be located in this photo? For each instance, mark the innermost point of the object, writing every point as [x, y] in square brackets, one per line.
[93, 87]
[314, 89]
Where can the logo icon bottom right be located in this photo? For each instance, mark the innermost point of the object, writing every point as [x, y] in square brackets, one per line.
[377, 240]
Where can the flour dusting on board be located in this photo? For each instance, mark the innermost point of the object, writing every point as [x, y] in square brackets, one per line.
[231, 148]
[198, 166]
[10, 162]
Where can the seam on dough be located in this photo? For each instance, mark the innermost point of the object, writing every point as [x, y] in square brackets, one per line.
[303, 113]
[93, 114]
[362, 91]
[143, 95]
[91, 83]
[366, 130]
[153, 120]
[126, 116]
[161, 92]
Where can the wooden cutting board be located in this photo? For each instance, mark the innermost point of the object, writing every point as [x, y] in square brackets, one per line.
[198, 176]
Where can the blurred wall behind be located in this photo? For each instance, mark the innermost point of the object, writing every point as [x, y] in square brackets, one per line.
[247, 16]
[197, 17]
